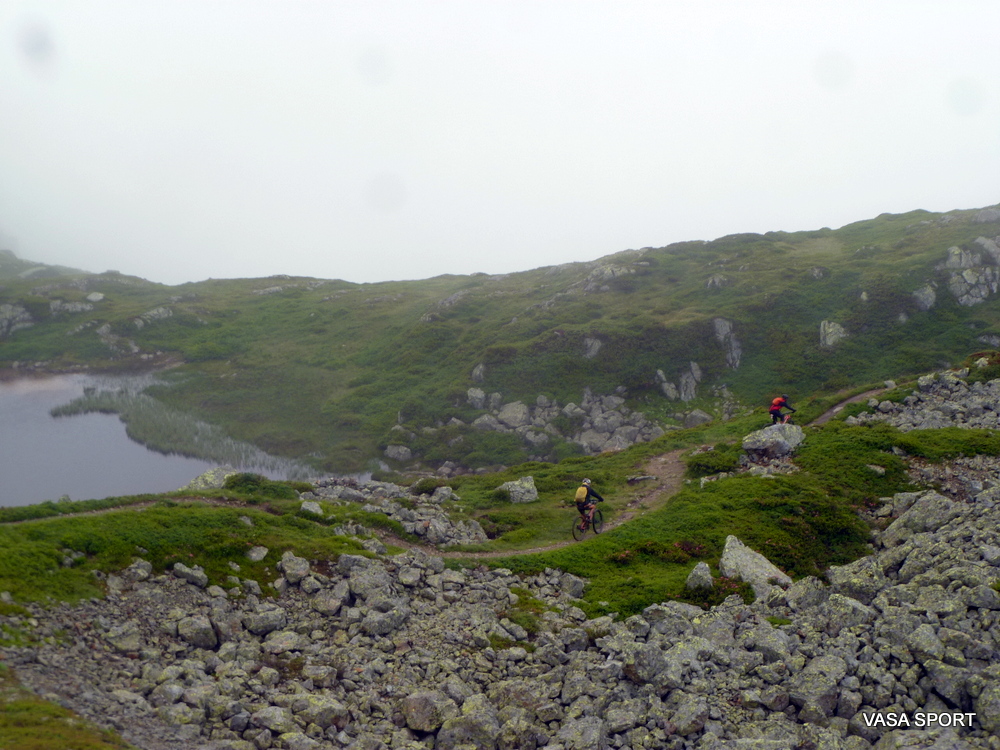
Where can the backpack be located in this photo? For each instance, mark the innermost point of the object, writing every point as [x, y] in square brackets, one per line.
[581, 494]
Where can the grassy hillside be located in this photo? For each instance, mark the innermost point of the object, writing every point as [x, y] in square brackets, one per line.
[325, 369]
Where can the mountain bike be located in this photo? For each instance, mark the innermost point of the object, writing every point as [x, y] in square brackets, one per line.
[595, 522]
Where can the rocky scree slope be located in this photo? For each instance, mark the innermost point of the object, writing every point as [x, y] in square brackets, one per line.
[402, 653]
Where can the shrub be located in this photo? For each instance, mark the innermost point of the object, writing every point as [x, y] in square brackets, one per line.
[723, 588]
[723, 457]
[426, 486]
[256, 484]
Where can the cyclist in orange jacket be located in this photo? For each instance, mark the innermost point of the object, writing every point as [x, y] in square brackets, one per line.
[776, 406]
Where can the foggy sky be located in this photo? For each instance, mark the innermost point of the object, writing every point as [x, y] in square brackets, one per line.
[185, 139]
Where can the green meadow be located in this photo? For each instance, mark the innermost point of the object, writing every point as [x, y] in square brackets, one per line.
[327, 371]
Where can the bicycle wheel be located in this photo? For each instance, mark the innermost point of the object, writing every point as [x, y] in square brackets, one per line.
[598, 523]
[578, 533]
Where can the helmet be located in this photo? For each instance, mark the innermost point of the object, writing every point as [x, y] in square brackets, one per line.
[784, 396]
[586, 482]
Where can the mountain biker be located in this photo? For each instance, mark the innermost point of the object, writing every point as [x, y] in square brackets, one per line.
[775, 411]
[584, 504]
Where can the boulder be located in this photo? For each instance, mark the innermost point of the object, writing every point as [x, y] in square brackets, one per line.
[195, 576]
[398, 453]
[126, 637]
[520, 490]
[775, 441]
[265, 620]
[514, 415]
[816, 686]
[294, 568]
[213, 479]
[275, 719]
[860, 580]
[198, 631]
[700, 578]
[697, 418]
[740, 562]
[427, 710]
[830, 333]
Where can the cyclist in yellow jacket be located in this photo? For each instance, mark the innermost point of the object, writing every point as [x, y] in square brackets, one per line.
[584, 504]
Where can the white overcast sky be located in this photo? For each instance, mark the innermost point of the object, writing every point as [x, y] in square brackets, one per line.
[184, 139]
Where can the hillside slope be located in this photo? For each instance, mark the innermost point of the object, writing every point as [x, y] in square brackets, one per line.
[639, 341]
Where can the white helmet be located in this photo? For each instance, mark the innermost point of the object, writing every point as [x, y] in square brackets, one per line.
[586, 482]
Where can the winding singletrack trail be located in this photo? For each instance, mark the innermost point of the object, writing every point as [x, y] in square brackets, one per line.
[666, 472]
[835, 410]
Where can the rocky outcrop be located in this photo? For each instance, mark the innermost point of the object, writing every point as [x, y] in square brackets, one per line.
[13, 318]
[600, 423]
[974, 274]
[597, 280]
[421, 515]
[397, 453]
[157, 313]
[57, 306]
[213, 479]
[117, 344]
[943, 399]
[727, 338]
[591, 347]
[830, 333]
[521, 490]
[925, 297]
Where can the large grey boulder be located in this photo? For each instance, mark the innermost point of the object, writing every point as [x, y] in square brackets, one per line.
[514, 414]
[265, 620]
[195, 576]
[276, 719]
[369, 579]
[816, 686]
[477, 398]
[323, 711]
[740, 562]
[520, 490]
[830, 333]
[775, 441]
[861, 579]
[398, 453]
[929, 513]
[213, 479]
[198, 631]
[426, 710]
[697, 418]
[294, 568]
[700, 578]
[383, 623]
[125, 637]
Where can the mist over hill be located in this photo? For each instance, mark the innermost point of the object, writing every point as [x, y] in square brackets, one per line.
[455, 373]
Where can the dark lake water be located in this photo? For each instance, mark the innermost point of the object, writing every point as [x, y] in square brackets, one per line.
[86, 456]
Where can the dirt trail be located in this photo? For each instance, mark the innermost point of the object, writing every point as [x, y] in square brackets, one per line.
[666, 470]
[835, 410]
